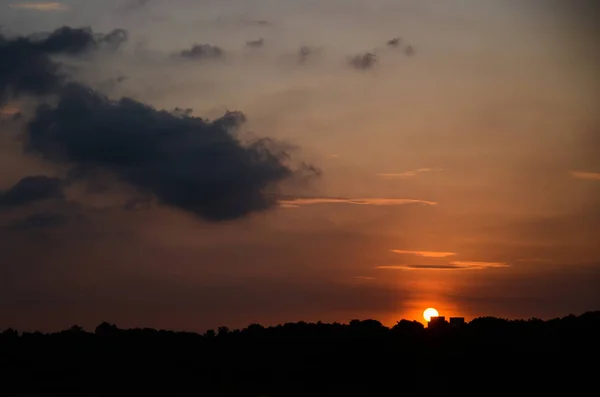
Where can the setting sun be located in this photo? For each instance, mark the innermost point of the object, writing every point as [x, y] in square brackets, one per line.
[430, 312]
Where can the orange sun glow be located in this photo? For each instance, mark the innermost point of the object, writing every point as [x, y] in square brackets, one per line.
[430, 312]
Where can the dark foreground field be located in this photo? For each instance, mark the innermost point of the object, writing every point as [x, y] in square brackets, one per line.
[487, 356]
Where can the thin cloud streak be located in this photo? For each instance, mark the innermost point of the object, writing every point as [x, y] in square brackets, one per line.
[534, 260]
[408, 174]
[421, 267]
[295, 203]
[50, 6]
[427, 254]
[480, 265]
[361, 280]
[594, 176]
[458, 265]
[9, 111]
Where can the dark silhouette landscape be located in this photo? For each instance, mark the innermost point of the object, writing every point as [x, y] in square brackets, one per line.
[486, 356]
[188, 164]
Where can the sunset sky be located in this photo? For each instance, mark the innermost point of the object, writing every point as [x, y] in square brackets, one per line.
[457, 167]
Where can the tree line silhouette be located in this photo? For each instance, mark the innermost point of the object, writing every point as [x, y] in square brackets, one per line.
[486, 356]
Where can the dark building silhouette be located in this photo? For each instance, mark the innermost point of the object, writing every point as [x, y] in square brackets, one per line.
[440, 321]
[437, 321]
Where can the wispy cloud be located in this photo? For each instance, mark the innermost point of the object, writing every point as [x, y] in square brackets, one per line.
[363, 278]
[360, 280]
[421, 267]
[427, 254]
[297, 202]
[9, 111]
[479, 265]
[47, 6]
[408, 174]
[594, 176]
[458, 265]
[534, 260]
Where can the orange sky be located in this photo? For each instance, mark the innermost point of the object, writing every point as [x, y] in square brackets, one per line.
[465, 177]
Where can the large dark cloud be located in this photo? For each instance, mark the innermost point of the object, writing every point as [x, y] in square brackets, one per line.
[26, 66]
[183, 161]
[32, 189]
[75, 41]
[186, 162]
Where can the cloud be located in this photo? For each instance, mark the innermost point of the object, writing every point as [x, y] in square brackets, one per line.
[361, 280]
[297, 202]
[203, 51]
[479, 265]
[594, 176]
[9, 112]
[40, 220]
[75, 41]
[395, 42]
[534, 260]
[421, 267]
[136, 4]
[306, 52]
[48, 6]
[256, 43]
[185, 162]
[32, 189]
[457, 265]
[409, 50]
[364, 61]
[258, 22]
[195, 165]
[408, 174]
[132, 6]
[426, 254]
[26, 64]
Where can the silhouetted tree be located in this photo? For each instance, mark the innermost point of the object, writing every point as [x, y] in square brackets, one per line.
[360, 358]
[106, 329]
[210, 334]
[405, 327]
[223, 331]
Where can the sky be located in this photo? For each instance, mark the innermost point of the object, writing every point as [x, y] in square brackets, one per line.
[190, 164]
